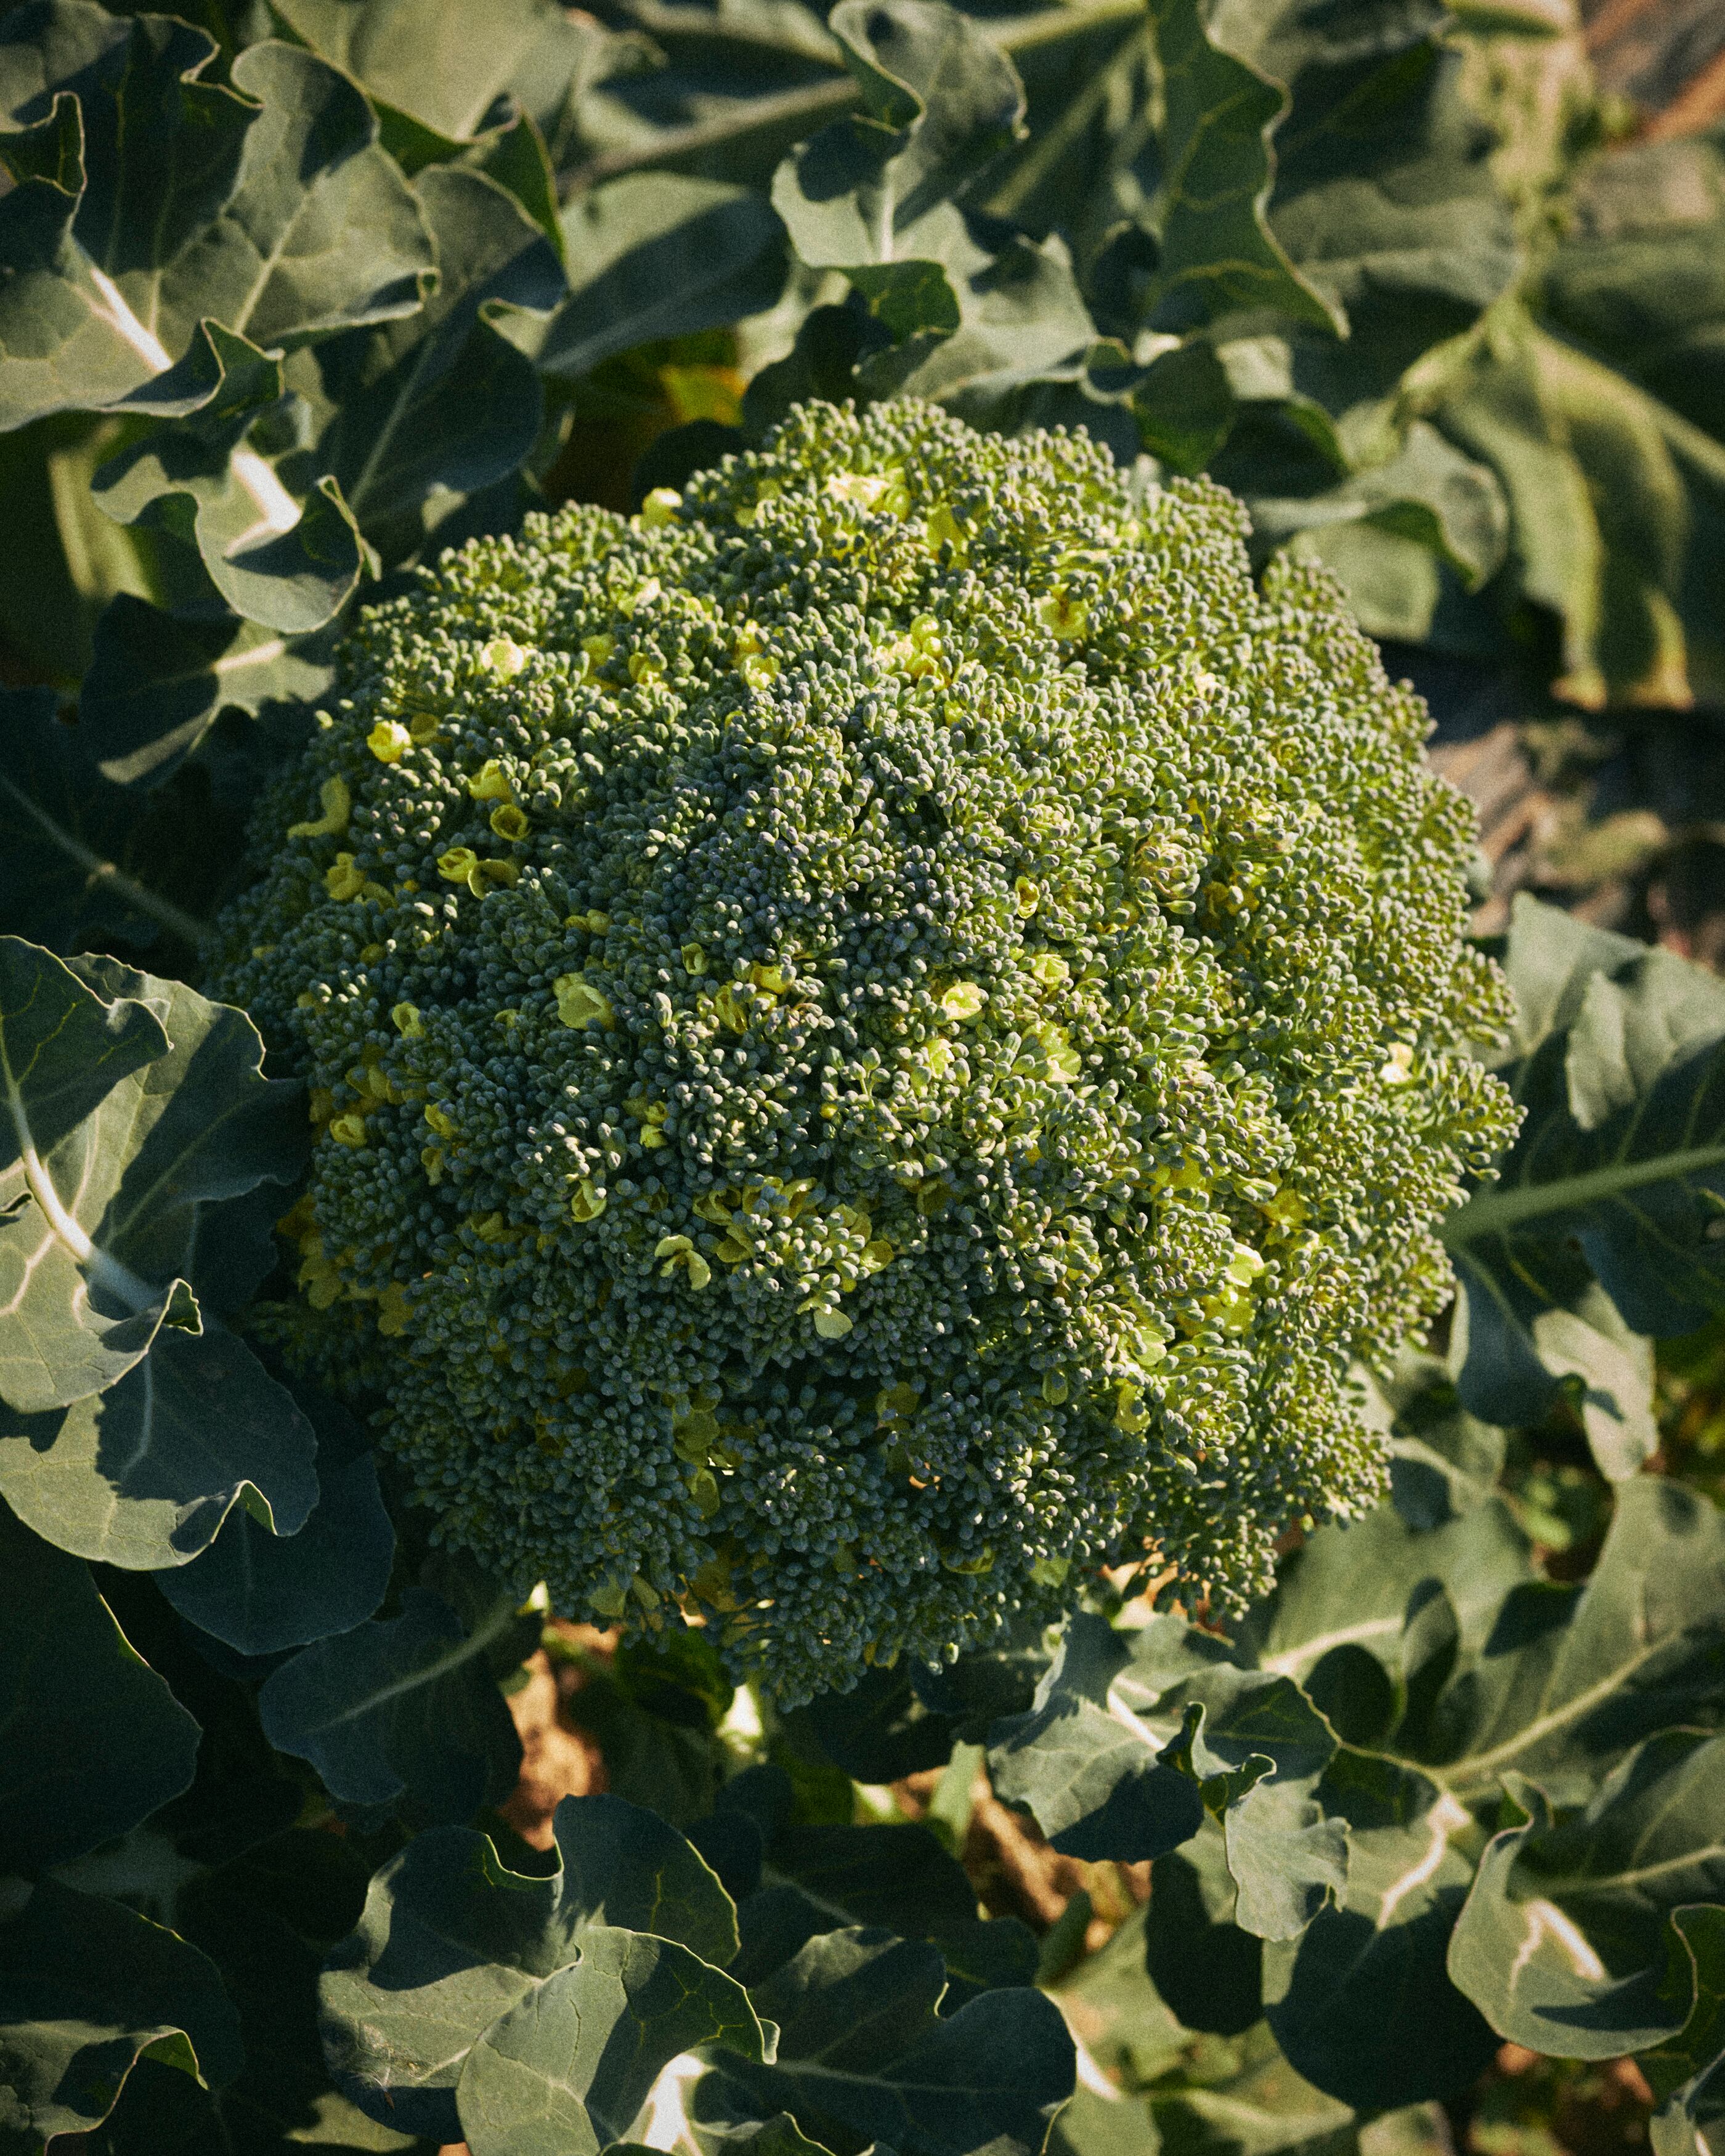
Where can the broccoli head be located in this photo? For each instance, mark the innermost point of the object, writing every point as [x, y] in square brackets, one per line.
[882, 1033]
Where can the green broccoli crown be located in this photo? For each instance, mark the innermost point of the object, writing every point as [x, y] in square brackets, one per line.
[881, 1035]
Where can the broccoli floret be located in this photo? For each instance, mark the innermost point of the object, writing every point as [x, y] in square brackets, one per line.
[882, 1034]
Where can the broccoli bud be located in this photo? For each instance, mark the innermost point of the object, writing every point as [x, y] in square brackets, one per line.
[883, 1034]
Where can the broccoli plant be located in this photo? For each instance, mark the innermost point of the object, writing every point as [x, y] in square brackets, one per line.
[878, 1033]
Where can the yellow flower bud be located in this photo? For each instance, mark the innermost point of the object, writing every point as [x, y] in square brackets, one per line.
[337, 807]
[458, 863]
[349, 1130]
[579, 1004]
[389, 741]
[589, 1201]
[510, 823]
[405, 1019]
[1067, 617]
[963, 1001]
[344, 880]
[661, 506]
[491, 782]
[504, 656]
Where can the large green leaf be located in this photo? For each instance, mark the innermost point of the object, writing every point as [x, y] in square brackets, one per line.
[1635, 282]
[419, 412]
[450, 1940]
[159, 681]
[1095, 1782]
[131, 1430]
[1569, 1679]
[864, 2056]
[1343, 1998]
[144, 1474]
[941, 101]
[95, 1742]
[1618, 1174]
[1135, 1736]
[74, 842]
[212, 479]
[1384, 195]
[1564, 1944]
[265, 1917]
[564, 2071]
[145, 158]
[1217, 252]
[1683, 2072]
[66, 1050]
[1561, 428]
[269, 205]
[261, 1593]
[86, 1988]
[402, 1707]
[452, 71]
[321, 233]
[651, 258]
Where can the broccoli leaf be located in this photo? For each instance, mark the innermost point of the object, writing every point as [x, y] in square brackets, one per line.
[1618, 1175]
[1133, 1737]
[107, 1448]
[86, 1989]
[97, 1741]
[264, 1917]
[863, 2054]
[450, 73]
[941, 102]
[450, 1940]
[1342, 1997]
[1564, 1943]
[1684, 2070]
[402, 1707]
[269, 205]
[568, 2067]
[66, 1050]
[413, 414]
[261, 1593]
[160, 680]
[967, 310]
[649, 258]
[1217, 252]
[1089, 1778]
[213, 478]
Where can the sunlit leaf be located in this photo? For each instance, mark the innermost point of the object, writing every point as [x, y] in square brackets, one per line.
[450, 1940]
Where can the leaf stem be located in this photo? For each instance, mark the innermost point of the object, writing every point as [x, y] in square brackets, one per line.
[811, 103]
[1496, 1212]
[163, 911]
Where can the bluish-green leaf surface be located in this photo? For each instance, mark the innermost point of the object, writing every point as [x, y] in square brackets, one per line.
[565, 2071]
[451, 1939]
[119, 1153]
[402, 1707]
